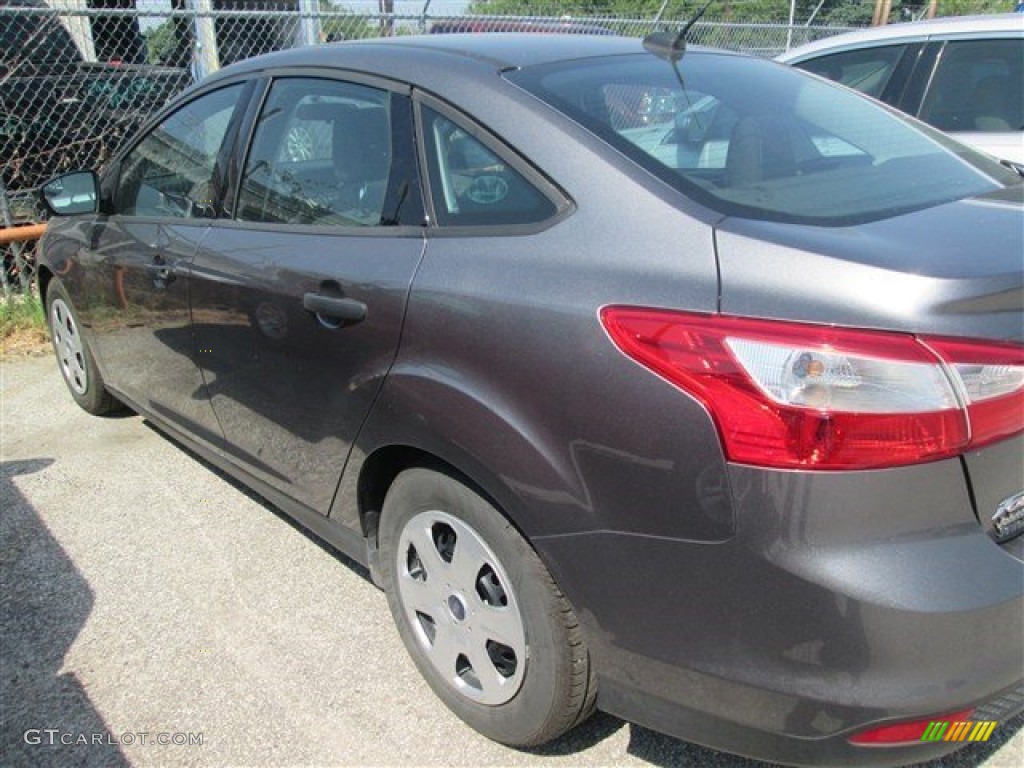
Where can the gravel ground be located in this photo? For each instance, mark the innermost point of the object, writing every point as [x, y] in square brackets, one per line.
[144, 597]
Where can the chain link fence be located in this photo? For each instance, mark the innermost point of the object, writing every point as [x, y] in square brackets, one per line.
[77, 77]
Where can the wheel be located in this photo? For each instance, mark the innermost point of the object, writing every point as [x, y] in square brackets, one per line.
[480, 614]
[74, 357]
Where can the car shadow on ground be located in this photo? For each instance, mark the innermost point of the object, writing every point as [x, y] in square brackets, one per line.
[44, 603]
[252, 495]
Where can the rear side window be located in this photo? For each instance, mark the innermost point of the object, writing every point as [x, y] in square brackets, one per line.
[978, 86]
[321, 155]
[472, 185]
[867, 70]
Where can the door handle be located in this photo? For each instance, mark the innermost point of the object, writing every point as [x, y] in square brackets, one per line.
[334, 312]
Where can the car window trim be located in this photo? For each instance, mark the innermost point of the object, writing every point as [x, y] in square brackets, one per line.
[902, 74]
[240, 148]
[398, 89]
[921, 67]
[564, 204]
[223, 164]
[940, 53]
[401, 231]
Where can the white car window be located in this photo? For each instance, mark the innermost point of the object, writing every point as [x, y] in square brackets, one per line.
[978, 86]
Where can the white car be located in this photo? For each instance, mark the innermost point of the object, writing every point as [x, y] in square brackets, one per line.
[963, 75]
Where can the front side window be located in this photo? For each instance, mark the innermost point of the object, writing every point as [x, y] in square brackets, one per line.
[471, 185]
[867, 70]
[978, 86]
[751, 138]
[171, 172]
[321, 155]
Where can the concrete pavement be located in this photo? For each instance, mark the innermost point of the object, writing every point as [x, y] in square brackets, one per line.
[144, 598]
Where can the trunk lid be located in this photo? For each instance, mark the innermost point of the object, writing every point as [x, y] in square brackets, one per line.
[951, 270]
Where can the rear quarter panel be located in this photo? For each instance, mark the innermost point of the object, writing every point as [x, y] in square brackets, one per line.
[506, 373]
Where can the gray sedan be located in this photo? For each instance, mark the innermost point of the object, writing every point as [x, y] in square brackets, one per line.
[669, 382]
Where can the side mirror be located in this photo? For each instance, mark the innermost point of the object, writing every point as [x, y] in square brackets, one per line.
[71, 194]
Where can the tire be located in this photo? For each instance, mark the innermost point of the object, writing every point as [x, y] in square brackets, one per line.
[479, 613]
[74, 358]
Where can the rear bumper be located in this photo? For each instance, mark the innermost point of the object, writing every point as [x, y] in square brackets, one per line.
[719, 733]
[845, 600]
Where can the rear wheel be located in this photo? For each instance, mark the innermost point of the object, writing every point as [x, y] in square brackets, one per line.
[480, 614]
[74, 358]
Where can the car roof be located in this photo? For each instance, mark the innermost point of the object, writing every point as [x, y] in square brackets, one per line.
[494, 50]
[951, 26]
[407, 58]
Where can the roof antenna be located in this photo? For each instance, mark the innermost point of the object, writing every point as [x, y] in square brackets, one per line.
[668, 45]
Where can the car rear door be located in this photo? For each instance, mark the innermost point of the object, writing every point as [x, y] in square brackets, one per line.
[299, 294]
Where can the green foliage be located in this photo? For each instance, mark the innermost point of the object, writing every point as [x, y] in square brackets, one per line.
[837, 12]
[676, 10]
[340, 23]
[857, 14]
[21, 313]
[161, 45]
[967, 7]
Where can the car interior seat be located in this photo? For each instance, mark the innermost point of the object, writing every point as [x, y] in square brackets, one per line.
[761, 148]
[993, 104]
[362, 159]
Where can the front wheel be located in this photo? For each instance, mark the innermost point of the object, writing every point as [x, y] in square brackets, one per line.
[77, 365]
[480, 614]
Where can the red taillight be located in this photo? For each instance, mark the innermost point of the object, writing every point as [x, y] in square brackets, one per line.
[895, 734]
[794, 395]
[991, 379]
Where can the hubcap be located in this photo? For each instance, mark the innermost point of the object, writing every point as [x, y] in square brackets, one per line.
[461, 606]
[68, 343]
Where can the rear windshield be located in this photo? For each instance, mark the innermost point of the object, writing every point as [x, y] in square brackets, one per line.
[752, 138]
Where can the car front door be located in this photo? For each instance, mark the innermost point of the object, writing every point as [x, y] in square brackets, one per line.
[161, 197]
[299, 298]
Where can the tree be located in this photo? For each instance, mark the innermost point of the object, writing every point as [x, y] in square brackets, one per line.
[837, 12]
[675, 10]
[340, 23]
[162, 46]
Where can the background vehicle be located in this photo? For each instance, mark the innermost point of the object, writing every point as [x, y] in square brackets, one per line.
[78, 112]
[964, 75]
[706, 420]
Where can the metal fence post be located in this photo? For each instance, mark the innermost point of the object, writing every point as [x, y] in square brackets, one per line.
[206, 59]
[792, 21]
[310, 14]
